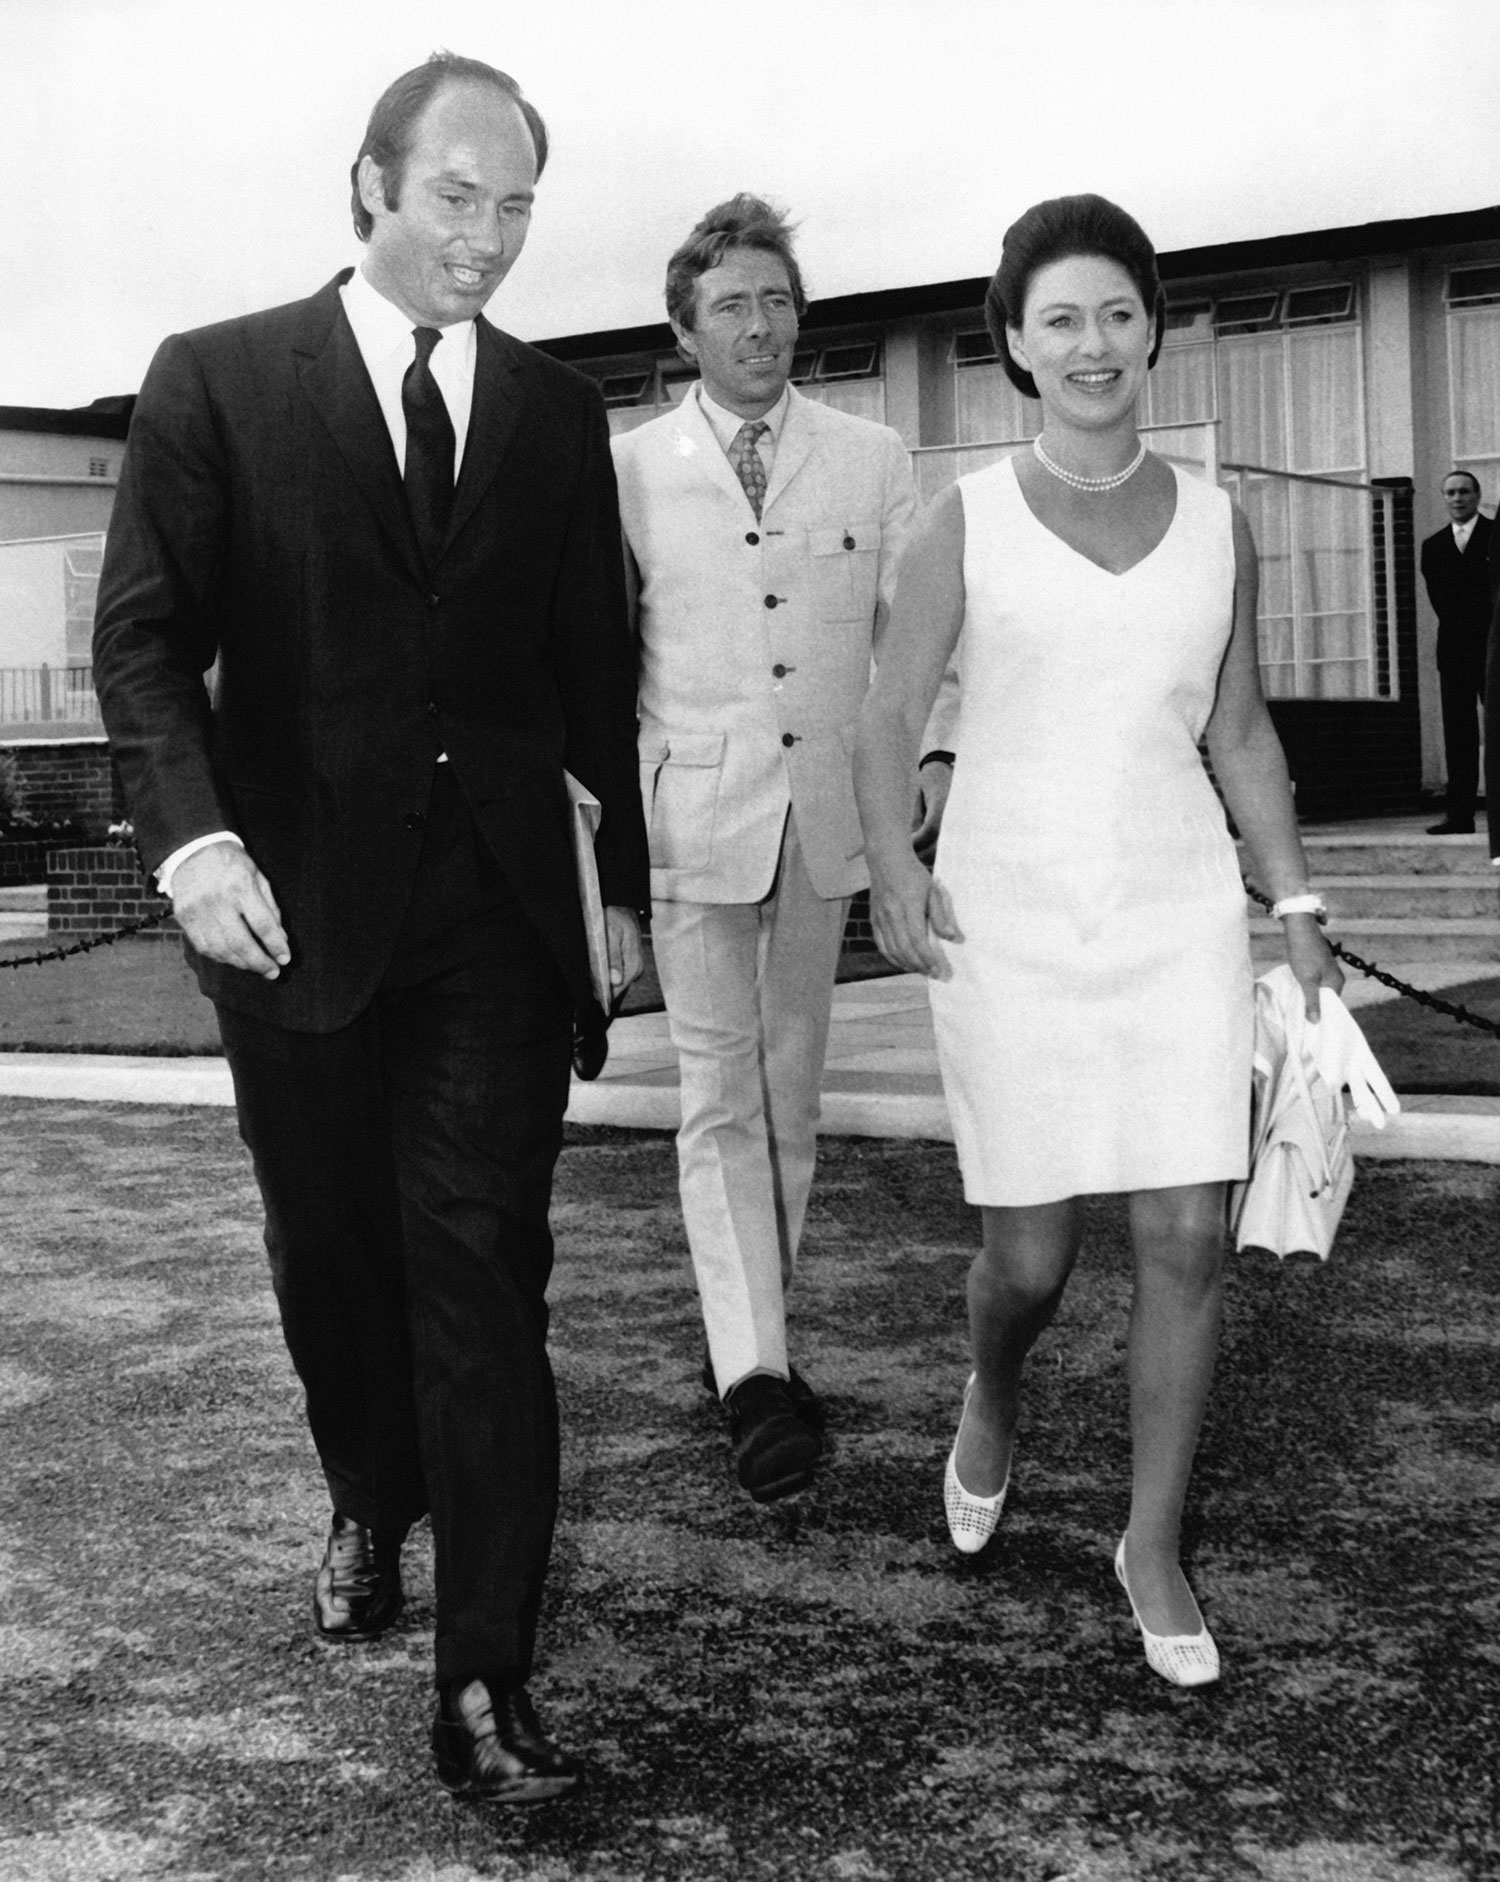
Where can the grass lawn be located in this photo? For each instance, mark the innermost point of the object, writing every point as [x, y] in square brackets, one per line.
[138, 997]
[825, 1691]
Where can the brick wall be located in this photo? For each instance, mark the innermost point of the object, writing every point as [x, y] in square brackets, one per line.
[74, 781]
[95, 891]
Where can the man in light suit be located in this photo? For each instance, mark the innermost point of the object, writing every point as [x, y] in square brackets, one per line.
[1455, 569]
[761, 533]
[395, 530]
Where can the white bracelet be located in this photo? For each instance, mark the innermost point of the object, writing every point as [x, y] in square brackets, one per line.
[1299, 905]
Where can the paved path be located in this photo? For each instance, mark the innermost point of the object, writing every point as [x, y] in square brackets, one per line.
[881, 1078]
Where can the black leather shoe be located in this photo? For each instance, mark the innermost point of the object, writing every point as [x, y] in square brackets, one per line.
[358, 1591]
[490, 1749]
[1452, 826]
[805, 1401]
[774, 1448]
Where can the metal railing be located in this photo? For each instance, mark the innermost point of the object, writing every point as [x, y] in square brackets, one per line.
[48, 695]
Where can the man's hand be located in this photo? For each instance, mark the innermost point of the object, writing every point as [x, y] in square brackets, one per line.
[622, 930]
[225, 907]
[934, 781]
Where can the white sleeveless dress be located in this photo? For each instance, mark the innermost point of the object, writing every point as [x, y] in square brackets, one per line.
[1096, 1032]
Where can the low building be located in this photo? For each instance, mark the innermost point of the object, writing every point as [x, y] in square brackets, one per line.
[1329, 379]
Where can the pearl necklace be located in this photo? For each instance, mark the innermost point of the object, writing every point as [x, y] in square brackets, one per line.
[1092, 485]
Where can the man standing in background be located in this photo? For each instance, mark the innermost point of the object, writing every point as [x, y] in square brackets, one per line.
[395, 530]
[1455, 569]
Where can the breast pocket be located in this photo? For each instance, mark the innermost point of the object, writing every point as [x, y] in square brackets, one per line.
[680, 777]
[845, 571]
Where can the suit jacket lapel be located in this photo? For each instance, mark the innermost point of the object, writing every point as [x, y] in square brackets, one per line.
[493, 417]
[698, 442]
[798, 436]
[334, 379]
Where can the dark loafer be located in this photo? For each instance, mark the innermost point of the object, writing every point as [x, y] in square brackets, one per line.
[775, 1449]
[491, 1749]
[358, 1591]
[805, 1401]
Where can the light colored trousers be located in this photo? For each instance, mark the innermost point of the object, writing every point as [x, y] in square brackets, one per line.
[748, 988]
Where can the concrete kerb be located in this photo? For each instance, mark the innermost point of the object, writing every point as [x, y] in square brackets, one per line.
[1446, 1128]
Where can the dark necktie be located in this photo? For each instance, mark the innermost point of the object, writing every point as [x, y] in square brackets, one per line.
[429, 447]
[749, 465]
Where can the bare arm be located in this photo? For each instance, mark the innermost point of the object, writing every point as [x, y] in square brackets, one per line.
[1251, 769]
[906, 907]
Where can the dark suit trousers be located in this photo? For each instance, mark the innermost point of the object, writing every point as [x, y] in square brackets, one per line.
[1461, 684]
[406, 1163]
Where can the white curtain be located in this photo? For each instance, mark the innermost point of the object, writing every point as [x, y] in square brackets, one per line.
[989, 408]
[861, 398]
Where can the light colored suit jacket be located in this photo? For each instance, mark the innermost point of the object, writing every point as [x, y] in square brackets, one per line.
[756, 641]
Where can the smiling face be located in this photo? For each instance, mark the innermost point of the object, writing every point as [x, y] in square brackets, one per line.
[1460, 496]
[1085, 337]
[744, 329]
[464, 207]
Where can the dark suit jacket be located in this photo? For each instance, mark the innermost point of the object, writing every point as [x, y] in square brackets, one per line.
[261, 522]
[1458, 586]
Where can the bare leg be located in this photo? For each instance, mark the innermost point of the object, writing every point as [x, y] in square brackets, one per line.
[1174, 1337]
[1015, 1284]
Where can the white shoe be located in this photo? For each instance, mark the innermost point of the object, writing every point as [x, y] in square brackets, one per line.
[1182, 1659]
[972, 1520]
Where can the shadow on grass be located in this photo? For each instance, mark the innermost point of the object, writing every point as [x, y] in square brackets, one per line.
[822, 1690]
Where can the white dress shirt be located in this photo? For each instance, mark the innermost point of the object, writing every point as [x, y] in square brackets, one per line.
[387, 345]
[725, 425]
[1463, 531]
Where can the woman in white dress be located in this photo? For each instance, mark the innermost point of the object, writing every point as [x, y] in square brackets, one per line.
[1084, 925]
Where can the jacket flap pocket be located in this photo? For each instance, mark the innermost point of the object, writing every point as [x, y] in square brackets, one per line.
[850, 539]
[694, 748]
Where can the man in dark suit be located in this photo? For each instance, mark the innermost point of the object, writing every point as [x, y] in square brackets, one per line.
[394, 528]
[1455, 568]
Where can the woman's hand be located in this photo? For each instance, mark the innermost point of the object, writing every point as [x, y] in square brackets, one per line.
[909, 914]
[1311, 961]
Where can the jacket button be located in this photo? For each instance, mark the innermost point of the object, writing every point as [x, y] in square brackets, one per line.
[849, 542]
[413, 820]
[432, 711]
[770, 601]
[779, 671]
[752, 538]
[787, 739]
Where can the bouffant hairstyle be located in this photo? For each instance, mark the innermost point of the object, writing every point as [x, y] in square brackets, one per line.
[743, 222]
[393, 123]
[1052, 231]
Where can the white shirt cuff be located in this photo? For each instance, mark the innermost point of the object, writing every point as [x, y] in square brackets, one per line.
[169, 868]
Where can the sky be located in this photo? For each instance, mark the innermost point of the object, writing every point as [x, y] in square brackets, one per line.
[173, 162]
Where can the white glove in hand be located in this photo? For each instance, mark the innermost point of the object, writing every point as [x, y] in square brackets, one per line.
[1338, 1049]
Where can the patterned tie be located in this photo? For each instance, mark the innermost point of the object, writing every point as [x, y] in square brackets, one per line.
[748, 464]
[429, 447]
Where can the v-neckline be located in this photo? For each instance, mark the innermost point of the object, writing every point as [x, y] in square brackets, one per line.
[1115, 575]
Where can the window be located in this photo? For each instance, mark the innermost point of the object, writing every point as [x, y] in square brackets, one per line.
[626, 388]
[1474, 374]
[846, 375]
[1474, 287]
[1246, 313]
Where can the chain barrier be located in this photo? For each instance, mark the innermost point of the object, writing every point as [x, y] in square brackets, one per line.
[1404, 988]
[1422, 998]
[90, 942]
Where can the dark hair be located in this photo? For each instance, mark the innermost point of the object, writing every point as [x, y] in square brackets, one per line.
[393, 123]
[1456, 472]
[743, 222]
[1052, 231]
